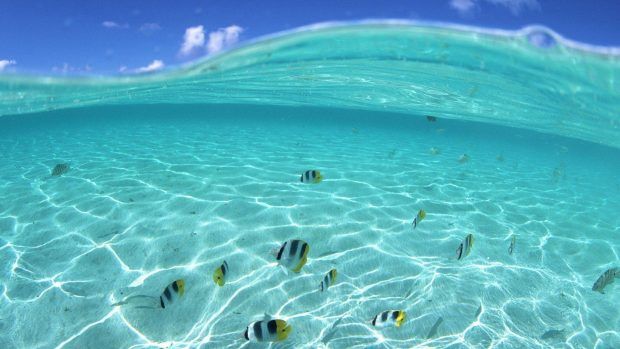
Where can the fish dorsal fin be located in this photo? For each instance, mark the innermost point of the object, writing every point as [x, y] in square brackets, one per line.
[267, 316]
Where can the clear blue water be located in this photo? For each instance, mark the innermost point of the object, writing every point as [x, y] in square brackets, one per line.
[162, 189]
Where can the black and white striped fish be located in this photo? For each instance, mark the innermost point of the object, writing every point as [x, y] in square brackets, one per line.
[328, 280]
[292, 255]
[267, 331]
[219, 275]
[605, 279]
[389, 317]
[311, 176]
[465, 247]
[171, 293]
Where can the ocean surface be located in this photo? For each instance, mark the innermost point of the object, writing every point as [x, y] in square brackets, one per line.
[495, 134]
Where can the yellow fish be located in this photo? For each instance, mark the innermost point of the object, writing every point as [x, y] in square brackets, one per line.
[418, 218]
[389, 317]
[267, 331]
[311, 176]
[293, 254]
[219, 275]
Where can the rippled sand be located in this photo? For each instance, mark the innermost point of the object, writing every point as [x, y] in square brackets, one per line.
[160, 193]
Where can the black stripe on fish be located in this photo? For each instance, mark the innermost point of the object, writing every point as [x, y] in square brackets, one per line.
[245, 334]
[395, 314]
[161, 302]
[374, 320]
[384, 316]
[293, 250]
[167, 294]
[313, 174]
[459, 251]
[175, 287]
[307, 176]
[281, 251]
[272, 327]
[258, 331]
[304, 247]
[223, 269]
[226, 265]
[301, 179]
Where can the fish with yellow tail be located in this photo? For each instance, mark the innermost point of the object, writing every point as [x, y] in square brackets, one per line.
[465, 247]
[389, 318]
[219, 275]
[311, 176]
[328, 280]
[605, 279]
[268, 330]
[170, 295]
[292, 255]
[418, 218]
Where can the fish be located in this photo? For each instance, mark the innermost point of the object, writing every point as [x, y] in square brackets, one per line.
[499, 158]
[389, 317]
[268, 330]
[311, 176]
[553, 333]
[418, 218]
[435, 151]
[605, 279]
[465, 247]
[171, 293]
[328, 280]
[478, 312]
[219, 275]
[431, 118]
[433, 330]
[60, 169]
[293, 254]
[332, 332]
[511, 248]
[463, 158]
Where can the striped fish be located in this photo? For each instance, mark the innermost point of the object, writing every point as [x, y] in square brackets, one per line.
[171, 293]
[389, 317]
[605, 279]
[465, 247]
[328, 280]
[60, 169]
[511, 248]
[267, 331]
[293, 254]
[219, 275]
[311, 176]
[418, 218]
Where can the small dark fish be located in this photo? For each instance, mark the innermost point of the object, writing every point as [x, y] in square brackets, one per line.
[60, 169]
[478, 312]
[605, 279]
[431, 118]
[433, 330]
[551, 334]
[511, 248]
[331, 333]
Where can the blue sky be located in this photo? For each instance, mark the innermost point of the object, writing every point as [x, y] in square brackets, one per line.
[112, 37]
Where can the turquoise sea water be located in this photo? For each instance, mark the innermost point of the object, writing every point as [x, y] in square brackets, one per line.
[173, 173]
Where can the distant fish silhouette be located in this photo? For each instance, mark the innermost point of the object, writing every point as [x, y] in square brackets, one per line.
[431, 118]
[433, 330]
[553, 334]
[60, 169]
[605, 279]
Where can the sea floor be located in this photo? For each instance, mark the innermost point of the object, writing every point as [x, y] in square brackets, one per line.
[159, 193]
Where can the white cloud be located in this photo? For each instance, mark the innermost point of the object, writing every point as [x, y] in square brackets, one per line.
[223, 37]
[149, 28]
[194, 38]
[154, 66]
[465, 7]
[5, 63]
[114, 25]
